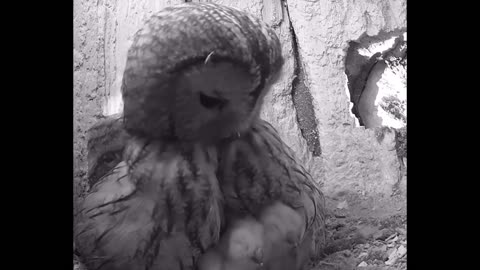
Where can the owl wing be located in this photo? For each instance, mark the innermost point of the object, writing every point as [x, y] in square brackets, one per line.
[258, 169]
[155, 210]
[106, 142]
[114, 223]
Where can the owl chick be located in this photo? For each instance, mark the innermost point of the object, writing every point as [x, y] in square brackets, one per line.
[257, 170]
[106, 141]
[240, 248]
[198, 72]
[284, 235]
[159, 208]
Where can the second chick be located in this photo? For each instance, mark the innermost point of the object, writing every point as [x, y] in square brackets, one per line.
[240, 248]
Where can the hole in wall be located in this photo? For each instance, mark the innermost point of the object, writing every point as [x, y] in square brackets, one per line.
[376, 79]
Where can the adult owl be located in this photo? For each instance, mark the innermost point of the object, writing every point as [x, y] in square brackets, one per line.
[266, 175]
[195, 74]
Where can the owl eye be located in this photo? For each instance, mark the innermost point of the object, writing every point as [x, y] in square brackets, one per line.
[109, 158]
[211, 102]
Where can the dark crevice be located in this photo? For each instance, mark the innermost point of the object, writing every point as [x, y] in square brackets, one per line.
[302, 98]
[401, 149]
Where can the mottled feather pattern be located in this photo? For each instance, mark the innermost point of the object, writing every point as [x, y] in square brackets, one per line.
[106, 141]
[193, 149]
[312, 199]
[136, 213]
[105, 130]
[266, 170]
[258, 169]
[181, 37]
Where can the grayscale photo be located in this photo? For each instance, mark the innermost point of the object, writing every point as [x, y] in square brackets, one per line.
[240, 135]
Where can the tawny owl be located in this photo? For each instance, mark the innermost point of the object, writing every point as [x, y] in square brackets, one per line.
[195, 74]
[257, 170]
[198, 72]
[285, 227]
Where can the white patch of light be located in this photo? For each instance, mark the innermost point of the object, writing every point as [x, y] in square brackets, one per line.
[392, 83]
[389, 121]
[377, 47]
[347, 92]
[113, 104]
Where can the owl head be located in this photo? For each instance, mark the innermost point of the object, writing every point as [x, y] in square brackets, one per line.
[198, 72]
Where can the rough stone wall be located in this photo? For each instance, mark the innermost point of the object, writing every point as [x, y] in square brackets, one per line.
[309, 105]
[89, 79]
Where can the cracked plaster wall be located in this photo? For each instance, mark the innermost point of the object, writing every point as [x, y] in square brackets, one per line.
[308, 105]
